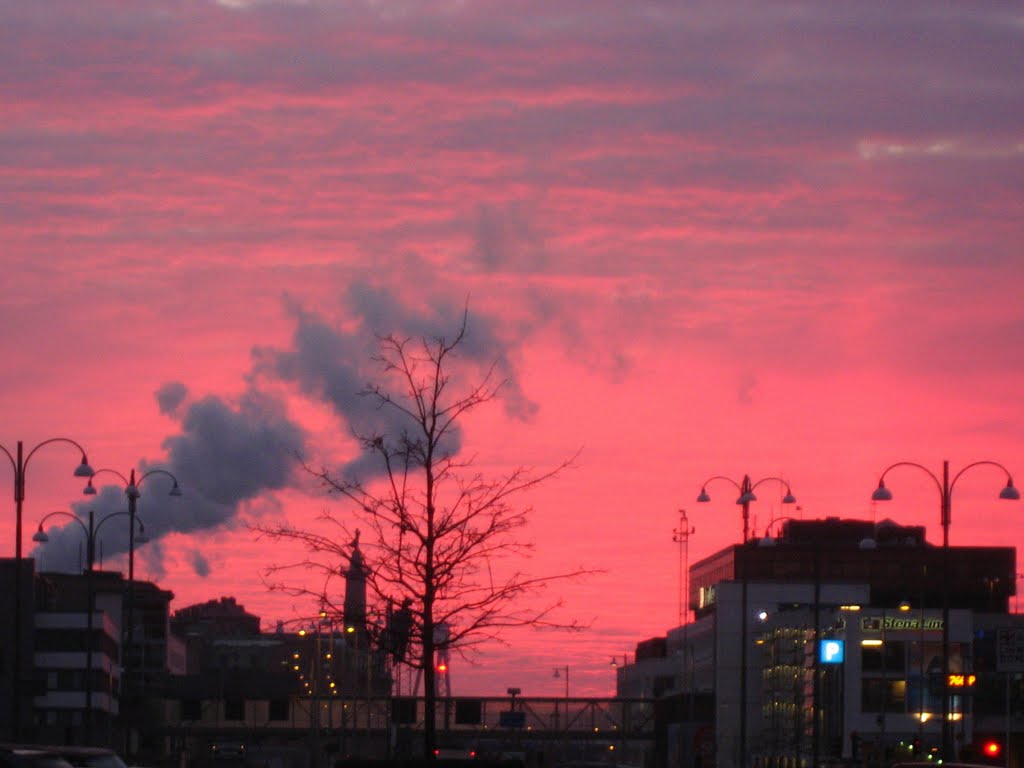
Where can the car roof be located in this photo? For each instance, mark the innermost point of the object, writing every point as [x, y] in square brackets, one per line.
[66, 754]
[30, 756]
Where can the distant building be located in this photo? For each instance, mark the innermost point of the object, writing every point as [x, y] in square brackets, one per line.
[319, 680]
[215, 618]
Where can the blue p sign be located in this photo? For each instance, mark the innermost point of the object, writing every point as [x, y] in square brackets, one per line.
[831, 651]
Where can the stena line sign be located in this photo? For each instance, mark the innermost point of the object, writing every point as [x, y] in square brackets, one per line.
[900, 624]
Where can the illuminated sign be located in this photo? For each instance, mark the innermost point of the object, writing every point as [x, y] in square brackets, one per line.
[900, 623]
[961, 680]
[831, 651]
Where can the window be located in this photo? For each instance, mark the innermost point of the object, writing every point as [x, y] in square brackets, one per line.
[234, 709]
[403, 711]
[69, 680]
[879, 695]
[278, 709]
[468, 712]
[890, 657]
[191, 709]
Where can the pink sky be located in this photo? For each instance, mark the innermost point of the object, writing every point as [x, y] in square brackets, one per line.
[700, 238]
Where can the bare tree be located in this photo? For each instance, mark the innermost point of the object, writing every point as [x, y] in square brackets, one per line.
[438, 527]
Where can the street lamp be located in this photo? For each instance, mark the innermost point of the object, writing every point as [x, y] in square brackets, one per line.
[132, 493]
[558, 673]
[91, 531]
[945, 487]
[746, 490]
[19, 463]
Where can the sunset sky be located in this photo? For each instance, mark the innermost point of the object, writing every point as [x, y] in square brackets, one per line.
[698, 238]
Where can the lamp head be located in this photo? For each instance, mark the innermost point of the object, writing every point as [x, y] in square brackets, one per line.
[1009, 493]
[89, 490]
[746, 498]
[703, 498]
[40, 535]
[132, 491]
[881, 492]
[83, 469]
[789, 498]
[175, 490]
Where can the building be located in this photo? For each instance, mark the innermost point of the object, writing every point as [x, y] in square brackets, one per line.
[875, 596]
[289, 696]
[74, 664]
[104, 662]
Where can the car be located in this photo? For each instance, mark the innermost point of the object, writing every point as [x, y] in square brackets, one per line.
[62, 756]
[30, 756]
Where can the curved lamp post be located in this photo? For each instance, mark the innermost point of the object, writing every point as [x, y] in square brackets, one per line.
[746, 490]
[945, 487]
[563, 672]
[132, 493]
[91, 531]
[19, 463]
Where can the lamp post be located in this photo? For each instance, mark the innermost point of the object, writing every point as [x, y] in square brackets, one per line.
[132, 493]
[746, 489]
[945, 487]
[558, 673]
[19, 463]
[91, 531]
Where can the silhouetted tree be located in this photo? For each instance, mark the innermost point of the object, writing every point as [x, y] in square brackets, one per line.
[437, 525]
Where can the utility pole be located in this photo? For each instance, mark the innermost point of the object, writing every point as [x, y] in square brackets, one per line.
[681, 536]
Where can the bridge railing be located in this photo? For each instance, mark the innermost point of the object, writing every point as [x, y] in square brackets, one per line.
[575, 716]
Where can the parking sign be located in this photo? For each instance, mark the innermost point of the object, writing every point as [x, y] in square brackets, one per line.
[830, 651]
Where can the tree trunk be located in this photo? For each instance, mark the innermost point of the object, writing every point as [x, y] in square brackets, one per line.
[429, 688]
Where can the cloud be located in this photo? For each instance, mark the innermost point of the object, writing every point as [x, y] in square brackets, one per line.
[778, 182]
[333, 366]
[171, 395]
[225, 455]
[232, 455]
[506, 239]
[746, 387]
[199, 563]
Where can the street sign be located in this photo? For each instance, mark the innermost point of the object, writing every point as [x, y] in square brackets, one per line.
[1010, 649]
[511, 719]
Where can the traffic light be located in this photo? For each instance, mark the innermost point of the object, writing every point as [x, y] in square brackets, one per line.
[991, 749]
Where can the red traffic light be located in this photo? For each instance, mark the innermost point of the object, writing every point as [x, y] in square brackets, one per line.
[991, 748]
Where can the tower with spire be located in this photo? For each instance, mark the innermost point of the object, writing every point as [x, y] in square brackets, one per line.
[355, 596]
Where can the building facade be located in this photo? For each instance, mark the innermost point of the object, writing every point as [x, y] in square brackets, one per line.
[827, 643]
